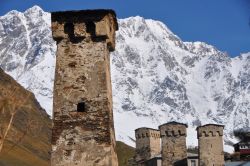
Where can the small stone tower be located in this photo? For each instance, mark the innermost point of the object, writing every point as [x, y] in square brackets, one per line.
[210, 140]
[147, 144]
[173, 138]
[83, 131]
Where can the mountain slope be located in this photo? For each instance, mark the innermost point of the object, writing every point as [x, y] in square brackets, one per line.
[156, 77]
[159, 78]
[24, 126]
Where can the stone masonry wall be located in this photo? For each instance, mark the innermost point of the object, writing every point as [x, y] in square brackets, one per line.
[83, 131]
[210, 145]
[174, 150]
[147, 143]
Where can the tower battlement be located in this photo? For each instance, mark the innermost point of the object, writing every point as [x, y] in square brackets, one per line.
[141, 133]
[92, 25]
[210, 130]
[173, 129]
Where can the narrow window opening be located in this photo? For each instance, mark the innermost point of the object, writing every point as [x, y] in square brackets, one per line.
[69, 29]
[90, 28]
[81, 107]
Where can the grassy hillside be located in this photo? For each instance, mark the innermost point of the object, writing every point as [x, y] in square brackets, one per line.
[25, 128]
[124, 153]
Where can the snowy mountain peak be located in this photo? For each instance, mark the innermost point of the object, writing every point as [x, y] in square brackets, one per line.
[11, 14]
[202, 48]
[156, 77]
[34, 9]
[148, 30]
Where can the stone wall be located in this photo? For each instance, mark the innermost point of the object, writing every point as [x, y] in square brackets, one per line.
[210, 145]
[147, 144]
[174, 150]
[83, 131]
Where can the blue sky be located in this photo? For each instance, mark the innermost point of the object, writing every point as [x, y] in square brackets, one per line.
[222, 23]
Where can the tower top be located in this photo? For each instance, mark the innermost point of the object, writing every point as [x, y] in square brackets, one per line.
[83, 15]
[145, 132]
[145, 128]
[209, 125]
[173, 129]
[92, 25]
[210, 130]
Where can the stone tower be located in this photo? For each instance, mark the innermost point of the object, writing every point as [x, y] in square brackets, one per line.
[83, 131]
[173, 140]
[210, 145]
[147, 144]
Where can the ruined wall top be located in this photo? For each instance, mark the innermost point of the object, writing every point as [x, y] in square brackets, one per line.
[210, 130]
[88, 25]
[145, 132]
[173, 129]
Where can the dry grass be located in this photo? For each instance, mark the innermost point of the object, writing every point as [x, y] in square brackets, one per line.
[20, 156]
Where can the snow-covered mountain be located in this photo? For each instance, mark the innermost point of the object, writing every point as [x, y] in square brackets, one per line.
[27, 51]
[156, 77]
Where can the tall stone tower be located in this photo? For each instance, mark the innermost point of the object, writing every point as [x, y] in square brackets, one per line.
[173, 138]
[83, 131]
[210, 145]
[147, 144]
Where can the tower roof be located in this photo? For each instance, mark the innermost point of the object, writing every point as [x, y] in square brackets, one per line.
[173, 123]
[83, 15]
[146, 128]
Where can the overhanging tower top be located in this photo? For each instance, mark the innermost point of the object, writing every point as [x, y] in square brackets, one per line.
[83, 15]
[97, 25]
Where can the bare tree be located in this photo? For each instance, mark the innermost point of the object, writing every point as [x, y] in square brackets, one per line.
[10, 104]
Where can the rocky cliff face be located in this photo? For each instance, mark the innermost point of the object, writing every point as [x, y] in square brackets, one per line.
[25, 128]
[156, 76]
